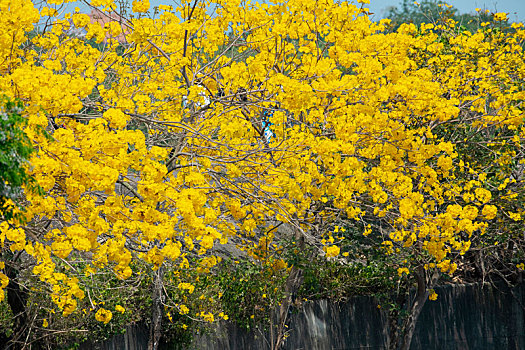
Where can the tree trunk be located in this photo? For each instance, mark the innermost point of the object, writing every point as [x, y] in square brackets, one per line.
[293, 283]
[156, 310]
[16, 299]
[394, 320]
[421, 297]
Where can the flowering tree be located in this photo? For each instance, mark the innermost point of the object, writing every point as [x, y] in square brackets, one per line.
[219, 121]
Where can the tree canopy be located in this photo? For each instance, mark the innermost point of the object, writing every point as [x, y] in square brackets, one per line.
[183, 135]
[435, 11]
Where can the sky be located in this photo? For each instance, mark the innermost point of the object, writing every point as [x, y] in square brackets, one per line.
[515, 8]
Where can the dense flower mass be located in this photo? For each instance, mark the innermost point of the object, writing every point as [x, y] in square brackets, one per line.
[179, 130]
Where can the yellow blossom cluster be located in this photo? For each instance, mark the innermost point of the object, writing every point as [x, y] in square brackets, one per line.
[206, 126]
[103, 315]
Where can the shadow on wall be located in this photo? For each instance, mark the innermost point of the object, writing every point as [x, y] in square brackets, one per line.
[135, 338]
[465, 317]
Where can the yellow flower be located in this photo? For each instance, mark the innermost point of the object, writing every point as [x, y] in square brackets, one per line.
[188, 286]
[515, 216]
[489, 212]
[483, 195]
[208, 317]
[4, 280]
[103, 315]
[402, 270]
[183, 309]
[69, 307]
[116, 117]
[500, 16]
[120, 309]
[140, 6]
[433, 295]
[45, 324]
[332, 251]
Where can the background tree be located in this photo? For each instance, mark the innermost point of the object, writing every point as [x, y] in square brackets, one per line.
[435, 12]
[15, 150]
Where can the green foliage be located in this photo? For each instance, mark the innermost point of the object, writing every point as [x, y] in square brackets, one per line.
[363, 268]
[434, 11]
[6, 318]
[426, 11]
[329, 279]
[15, 150]
[250, 291]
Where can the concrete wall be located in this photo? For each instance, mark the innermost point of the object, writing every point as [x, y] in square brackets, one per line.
[475, 316]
